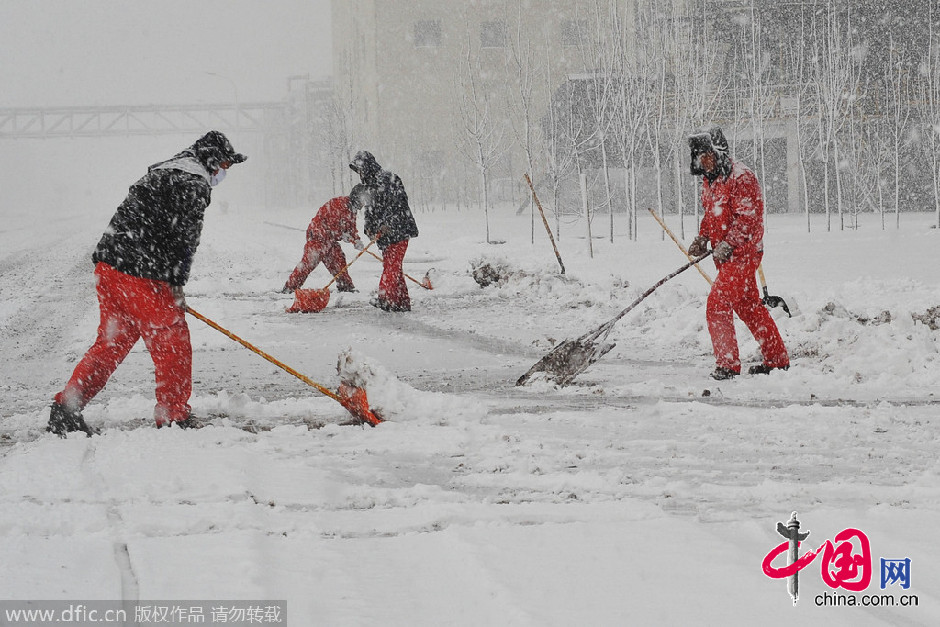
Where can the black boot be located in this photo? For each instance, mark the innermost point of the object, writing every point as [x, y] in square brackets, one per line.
[63, 420]
[723, 374]
[765, 369]
[189, 422]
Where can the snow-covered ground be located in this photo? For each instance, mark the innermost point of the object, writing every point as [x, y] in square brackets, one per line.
[646, 493]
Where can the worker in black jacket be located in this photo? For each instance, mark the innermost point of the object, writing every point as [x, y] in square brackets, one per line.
[388, 216]
[142, 262]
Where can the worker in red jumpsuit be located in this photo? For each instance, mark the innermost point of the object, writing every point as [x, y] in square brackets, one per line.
[142, 262]
[334, 222]
[733, 224]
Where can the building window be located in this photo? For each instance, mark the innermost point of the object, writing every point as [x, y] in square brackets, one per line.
[494, 34]
[574, 32]
[427, 34]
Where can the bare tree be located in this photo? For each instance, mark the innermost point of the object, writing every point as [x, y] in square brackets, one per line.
[896, 89]
[836, 74]
[631, 106]
[929, 101]
[697, 87]
[523, 65]
[799, 101]
[335, 136]
[484, 137]
[558, 129]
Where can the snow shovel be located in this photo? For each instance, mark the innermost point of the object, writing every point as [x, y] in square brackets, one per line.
[572, 357]
[425, 282]
[349, 396]
[315, 301]
[768, 300]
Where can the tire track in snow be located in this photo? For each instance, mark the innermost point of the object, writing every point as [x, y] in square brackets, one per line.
[130, 586]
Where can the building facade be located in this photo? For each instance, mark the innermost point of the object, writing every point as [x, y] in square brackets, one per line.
[402, 73]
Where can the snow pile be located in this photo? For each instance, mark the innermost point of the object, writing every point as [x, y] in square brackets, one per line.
[397, 401]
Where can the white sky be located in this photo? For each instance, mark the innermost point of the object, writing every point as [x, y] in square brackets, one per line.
[103, 52]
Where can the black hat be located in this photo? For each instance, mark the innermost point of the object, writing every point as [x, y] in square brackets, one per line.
[710, 140]
[214, 148]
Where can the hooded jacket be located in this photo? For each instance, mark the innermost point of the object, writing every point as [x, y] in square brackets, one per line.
[389, 212]
[154, 233]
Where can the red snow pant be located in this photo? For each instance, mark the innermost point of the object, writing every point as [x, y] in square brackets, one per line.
[330, 253]
[133, 308]
[392, 287]
[735, 292]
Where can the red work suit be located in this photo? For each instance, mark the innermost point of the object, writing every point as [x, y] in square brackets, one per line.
[734, 213]
[133, 308]
[334, 222]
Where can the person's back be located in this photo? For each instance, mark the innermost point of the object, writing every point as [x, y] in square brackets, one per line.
[155, 231]
[334, 221]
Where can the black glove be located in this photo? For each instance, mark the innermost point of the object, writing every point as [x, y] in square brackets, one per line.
[286, 289]
[699, 246]
[723, 252]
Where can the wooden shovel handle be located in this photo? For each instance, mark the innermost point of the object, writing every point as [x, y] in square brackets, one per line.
[407, 276]
[361, 252]
[322, 389]
[760, 273]
[679, 244]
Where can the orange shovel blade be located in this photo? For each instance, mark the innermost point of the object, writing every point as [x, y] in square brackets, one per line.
[426, 282]
[309, 301]
[354, 400]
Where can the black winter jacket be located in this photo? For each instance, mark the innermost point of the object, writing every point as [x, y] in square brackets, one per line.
[155, 231]
[389, 212]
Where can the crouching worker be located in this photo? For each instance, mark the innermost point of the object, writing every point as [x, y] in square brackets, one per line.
[142, 263]
[334, 222]
[733, 223]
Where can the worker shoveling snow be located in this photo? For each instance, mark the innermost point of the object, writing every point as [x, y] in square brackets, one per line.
[393, 400]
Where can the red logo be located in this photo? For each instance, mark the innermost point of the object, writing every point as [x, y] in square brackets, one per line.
[845, 563]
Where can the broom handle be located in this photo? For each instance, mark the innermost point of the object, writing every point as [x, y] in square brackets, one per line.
[548, 229]
[361, 252]
[679, 244]
[258, 351]
[407, 276]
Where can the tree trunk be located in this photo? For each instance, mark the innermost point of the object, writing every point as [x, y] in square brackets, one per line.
[587, 210]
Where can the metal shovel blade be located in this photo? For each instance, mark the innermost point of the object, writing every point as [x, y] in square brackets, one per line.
[569, 359]
[775, 301]
[309, 301]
